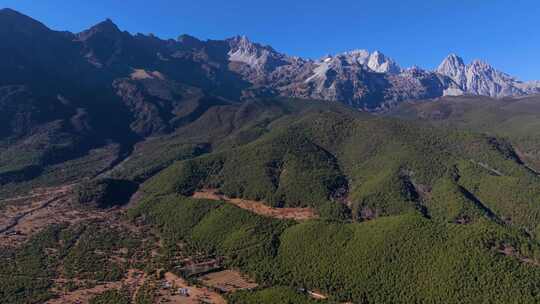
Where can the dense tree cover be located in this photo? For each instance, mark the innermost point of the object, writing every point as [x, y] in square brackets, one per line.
[445, 204]
[376, 166]
[104, 193]
[515, 119]
[436, 215]
[219, 126]
[248, 241]
[65, 172]
[407, 259]
[150, 157]
[56, 152]
[198, 126]
[396, 259]
[289, 171]
[270, 296]
[452, 203]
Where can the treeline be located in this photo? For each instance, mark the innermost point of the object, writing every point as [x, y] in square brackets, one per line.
[271, 296]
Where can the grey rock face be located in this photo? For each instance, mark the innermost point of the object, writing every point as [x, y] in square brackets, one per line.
[371, 81]
[256, 56]
[366, 80]
[376, 61]
[480, 78]
[235, 69]
[454, 67]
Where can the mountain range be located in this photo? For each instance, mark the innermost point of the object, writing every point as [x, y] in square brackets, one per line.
[130, 164]
[101, 92]
[237, 67]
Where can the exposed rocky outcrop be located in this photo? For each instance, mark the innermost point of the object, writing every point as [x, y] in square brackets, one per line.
[480, 78]
[114, 64]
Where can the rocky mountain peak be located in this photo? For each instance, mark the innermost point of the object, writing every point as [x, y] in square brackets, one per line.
[376, 61]
[454, 60]
[364, 79]
[242, 44]
[454, 67]
[256, 56]
[480, 65]
[380, 63]
[106, 28]
[451, 64]
[359, 56]
[11, 13]
[480, 78]
[107, 25]
[241, 40]
[104, 43]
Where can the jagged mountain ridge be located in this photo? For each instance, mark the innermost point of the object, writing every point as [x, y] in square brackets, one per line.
[369, 81]
[352, 77]
[480, 78]
[239, 68]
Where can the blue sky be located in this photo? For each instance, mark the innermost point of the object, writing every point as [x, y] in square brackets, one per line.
[415, 32]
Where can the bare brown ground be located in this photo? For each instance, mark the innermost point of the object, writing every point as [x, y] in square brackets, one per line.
[26, 215]
[133, 281]
[83, 296]
[195, 294]
[228, 281]
[510, 251]
[38, 210]
[317, 295]
[140, 74]
[260, 208]
[528, 160]
[46, 206]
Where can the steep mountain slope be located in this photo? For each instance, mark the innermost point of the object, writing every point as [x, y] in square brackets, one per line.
[405, 211]
[366, 262]
[398, 200]
[89, 98]
[369, 81]
[32, 53]
[77, 100]
[479, 78]
[339, 161]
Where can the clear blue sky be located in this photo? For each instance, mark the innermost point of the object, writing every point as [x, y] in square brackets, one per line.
[505, 33]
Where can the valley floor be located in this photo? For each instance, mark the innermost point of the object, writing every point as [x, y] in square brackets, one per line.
[27, 216]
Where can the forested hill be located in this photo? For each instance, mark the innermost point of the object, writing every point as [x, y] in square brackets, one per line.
[149, 158]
